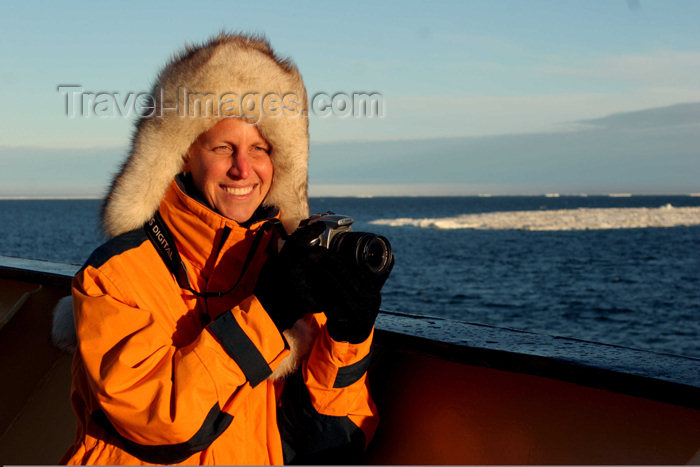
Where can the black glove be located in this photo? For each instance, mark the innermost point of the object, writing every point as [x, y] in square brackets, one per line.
[288, 280]
[350, 297]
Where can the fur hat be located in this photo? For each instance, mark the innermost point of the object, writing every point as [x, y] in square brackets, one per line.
[230, 75]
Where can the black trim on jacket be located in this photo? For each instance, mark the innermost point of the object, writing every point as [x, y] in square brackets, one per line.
[116, 246]
[309, 437]
[214, 424]
[240, 348]
[352, 373]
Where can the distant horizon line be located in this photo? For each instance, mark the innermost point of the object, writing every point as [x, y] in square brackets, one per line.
[437, 195]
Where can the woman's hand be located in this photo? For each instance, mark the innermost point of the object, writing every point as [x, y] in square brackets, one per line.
[350, 297]
[288, 283]
[310, 279]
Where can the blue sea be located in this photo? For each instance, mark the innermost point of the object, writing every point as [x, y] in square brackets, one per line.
[596, 268]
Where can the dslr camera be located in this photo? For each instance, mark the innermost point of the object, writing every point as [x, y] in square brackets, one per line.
[368, 250]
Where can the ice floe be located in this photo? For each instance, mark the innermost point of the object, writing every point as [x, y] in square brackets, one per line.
[559, 219]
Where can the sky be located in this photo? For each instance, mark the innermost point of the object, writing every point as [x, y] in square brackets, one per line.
[500, 97]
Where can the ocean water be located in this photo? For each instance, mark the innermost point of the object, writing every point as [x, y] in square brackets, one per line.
[618, 270]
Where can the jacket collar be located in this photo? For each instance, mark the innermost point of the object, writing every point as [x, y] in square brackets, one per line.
[199, 231]
[186, 184]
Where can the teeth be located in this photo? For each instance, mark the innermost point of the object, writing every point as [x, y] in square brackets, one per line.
[238, 191]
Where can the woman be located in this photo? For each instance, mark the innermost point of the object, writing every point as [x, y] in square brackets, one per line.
[199, 343]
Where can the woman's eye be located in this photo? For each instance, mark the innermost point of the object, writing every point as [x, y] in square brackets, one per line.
[263, 149]
[223, 150]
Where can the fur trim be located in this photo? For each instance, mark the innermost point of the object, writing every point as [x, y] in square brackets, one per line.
[63, 333]
[229, 66]
[300, 338]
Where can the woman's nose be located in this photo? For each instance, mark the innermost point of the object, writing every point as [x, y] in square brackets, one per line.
[240, 166]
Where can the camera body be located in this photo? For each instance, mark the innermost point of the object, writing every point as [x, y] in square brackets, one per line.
[335, 224]
[373, 252]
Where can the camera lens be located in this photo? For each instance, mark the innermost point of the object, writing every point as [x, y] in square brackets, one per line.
[372, 251]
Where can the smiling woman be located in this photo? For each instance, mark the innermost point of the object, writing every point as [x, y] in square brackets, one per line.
[231, 168]
[199, 341]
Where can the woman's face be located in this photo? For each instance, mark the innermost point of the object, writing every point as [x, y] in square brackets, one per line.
[231, 167]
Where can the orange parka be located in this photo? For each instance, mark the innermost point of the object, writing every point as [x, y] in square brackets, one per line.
[163, 376]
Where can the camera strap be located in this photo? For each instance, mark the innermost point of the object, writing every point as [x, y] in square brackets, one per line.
[162, 239]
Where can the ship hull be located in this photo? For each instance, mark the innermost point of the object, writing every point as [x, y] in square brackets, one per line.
[444, 395]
